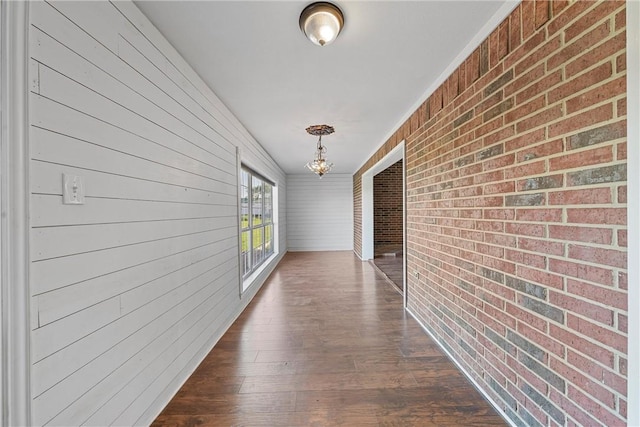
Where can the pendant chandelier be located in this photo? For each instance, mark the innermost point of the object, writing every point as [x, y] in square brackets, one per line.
[319, 164]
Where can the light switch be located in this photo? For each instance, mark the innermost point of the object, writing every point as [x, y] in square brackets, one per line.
[72, 189]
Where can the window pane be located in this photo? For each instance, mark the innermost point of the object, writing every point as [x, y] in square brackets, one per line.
[256, 201]
[244, 206]
[244, 178]
[256, 222]
[258, 248]
[268, 240]
[268, 203]
[246, 253]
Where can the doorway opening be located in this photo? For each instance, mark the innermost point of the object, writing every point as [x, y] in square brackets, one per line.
[377, 247]
[388, 218]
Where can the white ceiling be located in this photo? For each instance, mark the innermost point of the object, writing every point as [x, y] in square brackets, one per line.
[389, 56]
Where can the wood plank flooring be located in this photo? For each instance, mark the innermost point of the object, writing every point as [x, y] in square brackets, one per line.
[326, 342]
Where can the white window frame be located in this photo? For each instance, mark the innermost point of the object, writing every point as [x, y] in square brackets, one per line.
[247, 278]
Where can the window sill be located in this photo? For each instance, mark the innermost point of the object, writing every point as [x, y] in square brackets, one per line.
[250, 279]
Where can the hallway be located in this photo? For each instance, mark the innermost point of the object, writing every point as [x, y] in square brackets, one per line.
[326, 342]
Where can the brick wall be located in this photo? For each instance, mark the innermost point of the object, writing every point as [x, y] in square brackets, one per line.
[387, 206]
[516, 211]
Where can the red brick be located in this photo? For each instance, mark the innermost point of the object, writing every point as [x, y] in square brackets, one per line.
[582, 44]
[581, 159]
[499, 214]
[610, 297]
[533, 320]
[515, 28]
[596, 95]
[500, 187]
[622, 194]
[534, 168]
[590, 58]
[623, 323]
[622, 239]
[591, 196]
[589, 19]
[582, 345]
[524, 110]
[623, 280]
[582, 120]
[472, 67]
[525, 258]
[576, 377]
[600, 256]
[593, 274]
[539, 215]
[607, 336]
[539, 87]
[524, 80]
[542, 339]
[544, 117]
[586, 80]
[621, 19]
[503, 40]
[542, 12]
[494, 38]
[592, 311]
[558, 6]
[580, 415]
[612, 216]
[524, 49]
[525, 140]
[499, 162]
[602, 236]
[565, 15]
[623, 364]
[621, 63]
[538, 276]
[528, 18]
[541, 246]
[533, 230]
[594, 408]
[621, 148]
[608, 378]
[502, 134]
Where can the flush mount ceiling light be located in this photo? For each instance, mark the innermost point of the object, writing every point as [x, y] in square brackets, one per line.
[319, 164]
[321, 22]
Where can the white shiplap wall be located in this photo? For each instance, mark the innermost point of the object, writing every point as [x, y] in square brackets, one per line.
[130, 290]
[320, 212]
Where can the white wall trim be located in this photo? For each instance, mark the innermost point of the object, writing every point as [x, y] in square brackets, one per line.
[14, 194]
[367, 198]
[633, 209]
[462, 369]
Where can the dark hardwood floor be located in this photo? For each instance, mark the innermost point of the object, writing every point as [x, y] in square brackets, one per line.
[325, 343]
[389, 259]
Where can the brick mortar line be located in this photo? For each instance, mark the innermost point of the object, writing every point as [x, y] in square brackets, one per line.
[549, 354]
[545, 239]
[546, 270]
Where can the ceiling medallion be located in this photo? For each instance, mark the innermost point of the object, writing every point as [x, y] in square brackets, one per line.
[319, 164]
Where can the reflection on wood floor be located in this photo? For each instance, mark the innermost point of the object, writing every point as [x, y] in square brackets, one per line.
[389, 259]
[326, 342]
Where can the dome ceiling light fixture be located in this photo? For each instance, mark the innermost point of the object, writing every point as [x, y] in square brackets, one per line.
[321, 22]
[319, 164]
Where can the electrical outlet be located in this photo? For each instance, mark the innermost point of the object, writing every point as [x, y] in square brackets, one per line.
[72, 189]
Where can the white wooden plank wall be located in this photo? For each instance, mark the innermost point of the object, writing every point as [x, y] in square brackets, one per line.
[320, 212]
[131, 289]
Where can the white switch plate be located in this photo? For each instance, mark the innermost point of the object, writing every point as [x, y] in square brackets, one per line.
[72, 189]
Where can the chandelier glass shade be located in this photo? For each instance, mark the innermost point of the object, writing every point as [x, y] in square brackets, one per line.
[319, 164]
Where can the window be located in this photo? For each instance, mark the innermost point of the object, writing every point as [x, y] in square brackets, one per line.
[256, 221]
